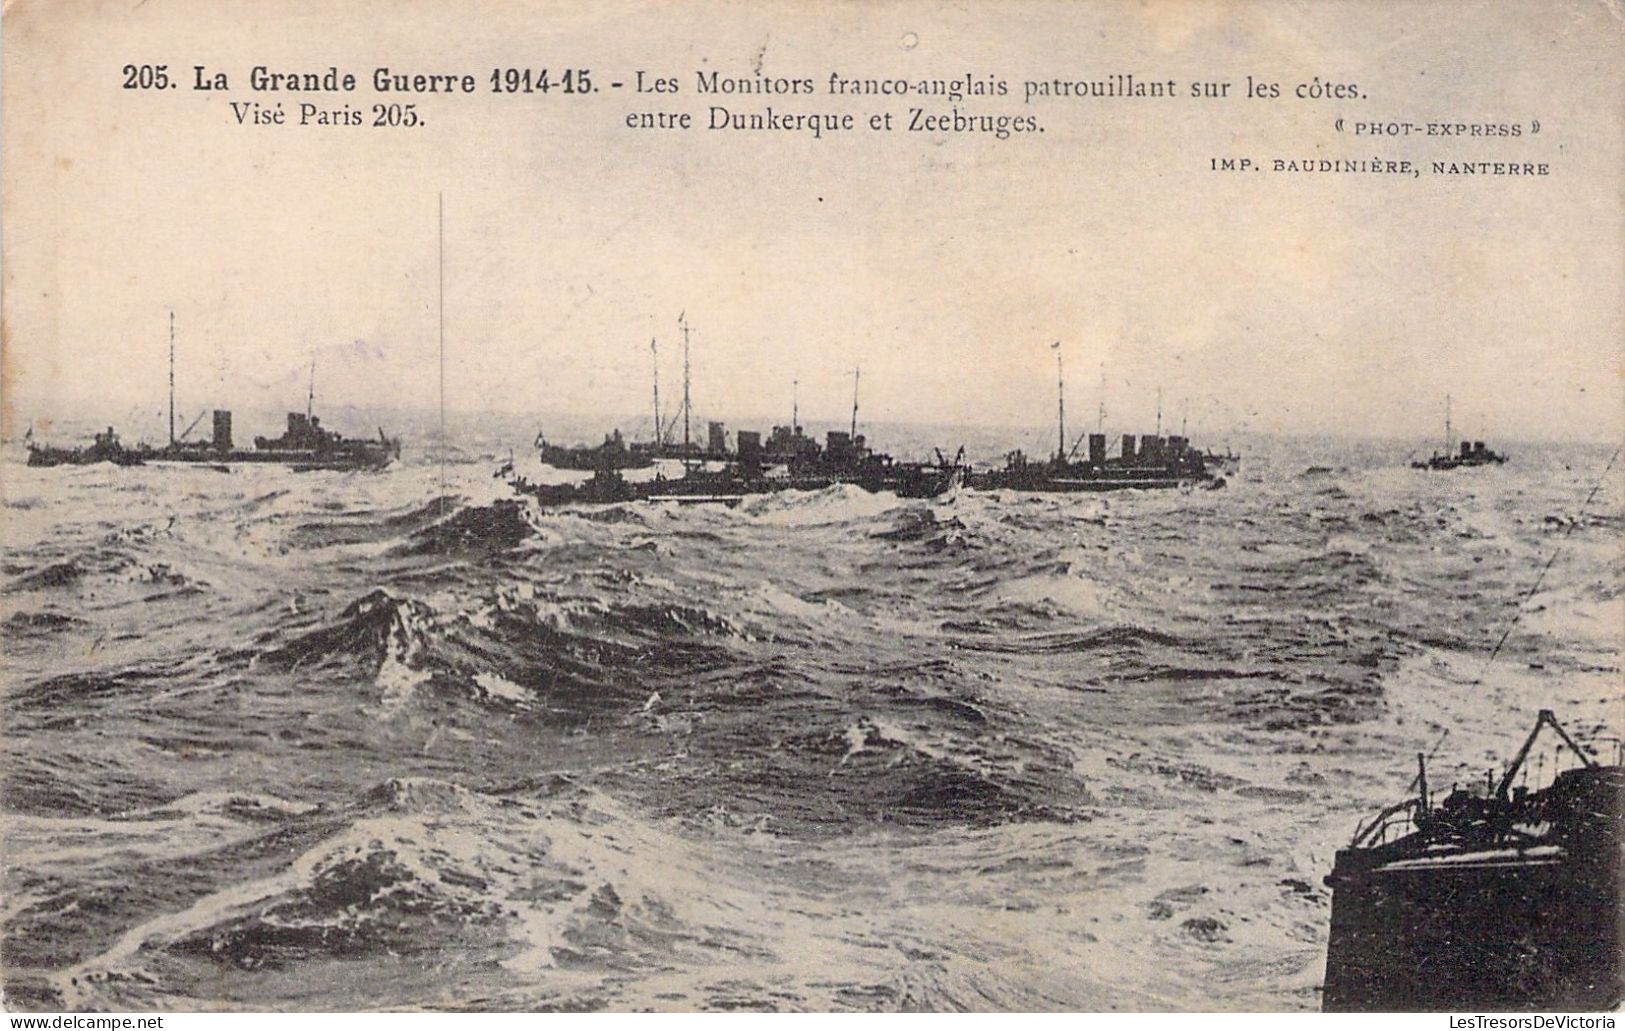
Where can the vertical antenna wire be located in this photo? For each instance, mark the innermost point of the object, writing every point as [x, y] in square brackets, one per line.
[171, 377]
[440, 228]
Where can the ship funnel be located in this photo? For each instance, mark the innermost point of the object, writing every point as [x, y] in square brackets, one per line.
[222, 430]
[1097, 448]
[749, 443]
[1128, 447]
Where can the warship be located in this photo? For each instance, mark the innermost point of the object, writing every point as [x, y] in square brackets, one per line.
[611, 454]
[1149, 461]
[1500, 897]
[1470, 453]
[734, 482]
[106, 448]
[787, 460]
[304, 445]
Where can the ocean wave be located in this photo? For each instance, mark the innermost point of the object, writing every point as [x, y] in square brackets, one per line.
[38, 624]
[486, 529]
[572, 884]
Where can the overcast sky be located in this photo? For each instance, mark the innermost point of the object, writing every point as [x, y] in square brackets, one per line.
[945, 266]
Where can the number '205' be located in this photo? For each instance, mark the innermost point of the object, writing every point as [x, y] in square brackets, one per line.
[146, 76]
[403, 115]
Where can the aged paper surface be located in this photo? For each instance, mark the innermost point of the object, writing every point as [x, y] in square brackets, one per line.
[345, 670]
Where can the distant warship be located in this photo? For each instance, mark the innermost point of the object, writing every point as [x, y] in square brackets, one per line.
[1471, 453]
[1147, 462]
[1150, 462]
[304, 445]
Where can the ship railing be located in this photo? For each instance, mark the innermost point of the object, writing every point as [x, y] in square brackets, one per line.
[1394, 822]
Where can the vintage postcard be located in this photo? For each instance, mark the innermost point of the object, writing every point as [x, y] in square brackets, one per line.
[901, 505]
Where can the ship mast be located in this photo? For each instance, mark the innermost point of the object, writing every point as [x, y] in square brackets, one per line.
[172, 378]
[795, 405]
[310, 398]
[1449, 438]
[654, 355]
[682, 320]
[856, 373]
[1100, 423]
[1159, 411]
[1060, 405]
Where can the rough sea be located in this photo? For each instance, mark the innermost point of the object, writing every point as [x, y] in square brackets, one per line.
[279, 740]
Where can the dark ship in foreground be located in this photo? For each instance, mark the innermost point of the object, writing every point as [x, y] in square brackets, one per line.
[1505, 899]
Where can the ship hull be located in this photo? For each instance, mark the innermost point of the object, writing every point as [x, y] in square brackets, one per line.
[301, 461]
[592, 459]
[1044, 484]
[724, 489]
[1500, 930]
[1063, 486]
[47, 457]
[1445, 464]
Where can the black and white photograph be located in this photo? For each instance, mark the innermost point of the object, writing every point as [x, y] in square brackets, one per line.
[698, 507]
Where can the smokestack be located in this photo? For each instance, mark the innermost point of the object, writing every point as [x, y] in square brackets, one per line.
[1097, 448]
[718, 438]
[1466, 448]
[749, 443]
[1128, 446]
